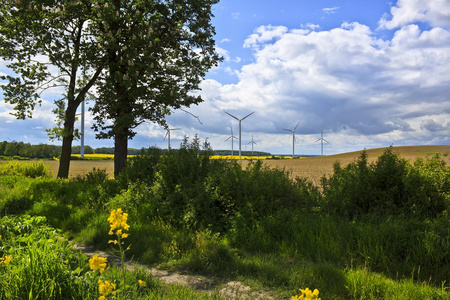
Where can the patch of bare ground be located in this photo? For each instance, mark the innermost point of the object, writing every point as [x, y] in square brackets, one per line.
[232, 290]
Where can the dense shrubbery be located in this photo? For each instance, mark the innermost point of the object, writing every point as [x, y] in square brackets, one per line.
[389, 187]
[212, 216]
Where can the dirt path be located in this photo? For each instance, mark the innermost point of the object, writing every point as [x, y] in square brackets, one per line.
[232, 290]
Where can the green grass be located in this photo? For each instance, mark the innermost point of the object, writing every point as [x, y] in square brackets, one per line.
[260, 228]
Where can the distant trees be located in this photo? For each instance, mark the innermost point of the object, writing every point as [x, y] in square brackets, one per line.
[29, 151]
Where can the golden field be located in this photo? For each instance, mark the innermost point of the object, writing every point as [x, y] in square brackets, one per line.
[312, 167]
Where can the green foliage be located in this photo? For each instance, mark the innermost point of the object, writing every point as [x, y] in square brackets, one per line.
[258, 225]
[42, 265]
[27, 169]
[390, 186]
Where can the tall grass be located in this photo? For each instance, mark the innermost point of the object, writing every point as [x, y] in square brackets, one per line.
[373, 231]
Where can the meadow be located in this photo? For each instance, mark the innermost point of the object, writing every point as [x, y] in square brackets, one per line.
[376, 227]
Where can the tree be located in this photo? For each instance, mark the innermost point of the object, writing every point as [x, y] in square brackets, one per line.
[157, 53]
[35, 35]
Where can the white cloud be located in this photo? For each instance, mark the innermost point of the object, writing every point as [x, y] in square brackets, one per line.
[361, 90]
[434, 12]
[330, 10]
[265, 34]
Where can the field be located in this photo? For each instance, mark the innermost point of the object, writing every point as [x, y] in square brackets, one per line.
[312, 167]
[376, 228]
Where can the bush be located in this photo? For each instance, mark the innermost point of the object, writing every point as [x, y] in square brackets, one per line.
[27, 169]
[390, 186]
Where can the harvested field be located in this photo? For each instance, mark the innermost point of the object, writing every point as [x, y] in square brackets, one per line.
[313, 168]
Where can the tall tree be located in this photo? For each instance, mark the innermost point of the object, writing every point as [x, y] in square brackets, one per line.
[158, 51]
[49, 44]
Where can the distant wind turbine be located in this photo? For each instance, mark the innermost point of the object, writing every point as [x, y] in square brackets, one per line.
[82, 129]
[240, 120]
[231, 137]
[321, 142]
[168, 135]
[293, 138]
[252, 142]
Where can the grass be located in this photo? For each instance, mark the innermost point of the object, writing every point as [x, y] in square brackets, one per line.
[272, 242]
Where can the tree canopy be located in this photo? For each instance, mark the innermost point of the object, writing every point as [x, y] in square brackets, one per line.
[49, 44]
[145, 58]
[157, 54]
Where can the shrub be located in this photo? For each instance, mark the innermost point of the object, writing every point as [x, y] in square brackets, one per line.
[27, 169]
[390, 186]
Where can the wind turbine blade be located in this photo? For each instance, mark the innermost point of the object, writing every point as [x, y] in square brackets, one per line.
[325, 141]
[296, 126]
[288, 130]
[317, 140]
[231, 116]
[247, 116]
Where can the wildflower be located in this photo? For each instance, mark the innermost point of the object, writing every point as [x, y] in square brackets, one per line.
[97, 263]
[141, 283]
[118, 220]
[5, 260]
[106, 288]
[307, 294]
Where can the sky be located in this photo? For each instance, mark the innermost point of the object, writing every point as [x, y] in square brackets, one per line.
[367, 74]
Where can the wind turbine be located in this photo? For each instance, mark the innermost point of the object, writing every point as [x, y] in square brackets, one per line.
[252, 142]
[82, 129]
[168, 135]
[321, 142]
[293, 137]
[231, 137]
[240, 120]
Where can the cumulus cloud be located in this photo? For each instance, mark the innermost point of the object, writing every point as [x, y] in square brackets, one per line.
[265, 34]
[344, 80]
[431, 125]
[436, 13]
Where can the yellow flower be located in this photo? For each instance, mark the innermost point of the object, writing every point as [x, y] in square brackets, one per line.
[307, 294]
[118, 220]
[106, 288]
[97, 263]
[5, 260]
[112, 242]
[142, 283]
[102, 298]
[124, 235]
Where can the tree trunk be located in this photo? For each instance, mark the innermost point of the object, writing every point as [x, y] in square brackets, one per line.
[66, 152]
[120, 152]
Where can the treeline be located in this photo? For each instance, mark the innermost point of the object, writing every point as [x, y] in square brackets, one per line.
[26, 150]
[244, 153]
[21, 149]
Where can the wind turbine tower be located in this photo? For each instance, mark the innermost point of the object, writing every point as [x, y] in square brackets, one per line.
[82, 130]
[231, 137]
[252, 142]
[240, 120]
[321, 142]
[293, 138]
[168, 136]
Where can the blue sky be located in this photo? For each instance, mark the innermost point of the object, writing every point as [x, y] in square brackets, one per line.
[366, 73]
